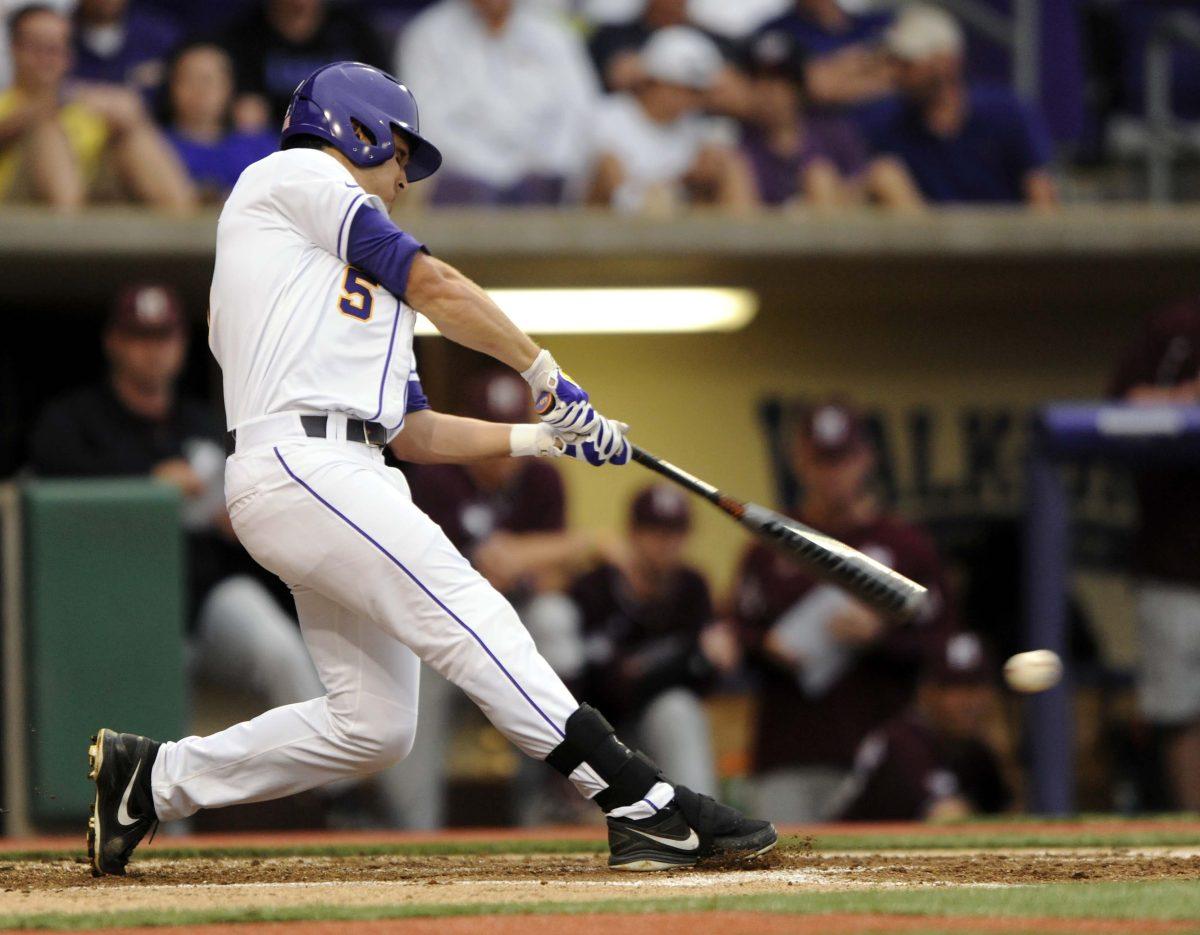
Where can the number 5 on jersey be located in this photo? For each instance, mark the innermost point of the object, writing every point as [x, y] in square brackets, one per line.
[357, 298]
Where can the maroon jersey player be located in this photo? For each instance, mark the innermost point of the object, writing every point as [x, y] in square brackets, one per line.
[652, 647]
[830, 669]
[1162, 367]
[933, 762]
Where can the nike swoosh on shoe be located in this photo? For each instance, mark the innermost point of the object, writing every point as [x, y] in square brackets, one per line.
[123, 816]
[690, 843]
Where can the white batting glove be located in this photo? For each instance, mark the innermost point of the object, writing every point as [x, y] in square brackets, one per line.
[560, 402]
[535, 440]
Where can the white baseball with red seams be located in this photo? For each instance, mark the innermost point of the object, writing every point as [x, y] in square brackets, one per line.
[377, 584]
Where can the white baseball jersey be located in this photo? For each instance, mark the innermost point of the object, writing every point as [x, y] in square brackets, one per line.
[292, 324]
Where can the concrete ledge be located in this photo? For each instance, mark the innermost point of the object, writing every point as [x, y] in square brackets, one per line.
[962, 233]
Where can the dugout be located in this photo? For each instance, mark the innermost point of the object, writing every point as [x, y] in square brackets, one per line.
[930, 322]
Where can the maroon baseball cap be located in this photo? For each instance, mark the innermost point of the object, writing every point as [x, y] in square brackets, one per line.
[147, 310]
[498, 396]
[959, 659]
[834, 429]
[661, 507]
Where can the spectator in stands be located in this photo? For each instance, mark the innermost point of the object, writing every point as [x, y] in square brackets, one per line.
[508, 517]
[653, 148]
[199, 118]
[831, 670]
[136, 423]
[815, 158]
[652, 646]
[1163, 367]
[615, 47]
[120, 44]
[280, 43]
[507, 91]
[54, 139]
[933, 762]
[845, 64]
[961, 143]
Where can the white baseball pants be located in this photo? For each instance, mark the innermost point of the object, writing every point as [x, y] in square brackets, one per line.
[377, 586]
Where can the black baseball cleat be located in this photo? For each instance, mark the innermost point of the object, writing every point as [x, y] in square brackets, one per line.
[691, 828]
[123, 813]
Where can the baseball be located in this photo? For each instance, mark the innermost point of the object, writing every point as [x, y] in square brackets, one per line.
[1034, 671]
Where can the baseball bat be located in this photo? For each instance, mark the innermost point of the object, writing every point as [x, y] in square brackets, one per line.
[825, 557]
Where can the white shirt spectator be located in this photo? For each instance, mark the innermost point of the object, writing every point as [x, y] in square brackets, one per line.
[653, 155]
[500, 106]
[735, 20]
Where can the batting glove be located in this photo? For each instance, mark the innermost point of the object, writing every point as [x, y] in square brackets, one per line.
[560, 402]
[535, 441]
[607, 444]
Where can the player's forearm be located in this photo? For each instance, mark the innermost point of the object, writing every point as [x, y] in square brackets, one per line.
[437, 438]
[465, 314]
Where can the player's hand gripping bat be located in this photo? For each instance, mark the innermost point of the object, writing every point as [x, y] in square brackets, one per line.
[825, 557]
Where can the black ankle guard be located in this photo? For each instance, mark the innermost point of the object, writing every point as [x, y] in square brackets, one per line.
[592, 740]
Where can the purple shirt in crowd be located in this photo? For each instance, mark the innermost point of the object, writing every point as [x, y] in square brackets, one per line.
[215, 167]
[817, 40]
[1000, 143]
[139, 59]
[825, 138]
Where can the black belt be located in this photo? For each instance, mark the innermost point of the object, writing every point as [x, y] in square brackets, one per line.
[367, 433]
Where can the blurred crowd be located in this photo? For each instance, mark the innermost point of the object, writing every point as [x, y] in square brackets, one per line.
[634, 105]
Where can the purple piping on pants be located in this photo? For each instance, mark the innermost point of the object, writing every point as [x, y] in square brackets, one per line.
[395, 561]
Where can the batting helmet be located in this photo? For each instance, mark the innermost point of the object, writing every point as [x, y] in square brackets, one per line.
[329, 102]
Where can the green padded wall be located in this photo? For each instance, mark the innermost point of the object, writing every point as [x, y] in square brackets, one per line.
[104, 605]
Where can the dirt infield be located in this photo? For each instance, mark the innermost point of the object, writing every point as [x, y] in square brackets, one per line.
[66, 886]
[727, 923]
[1183, 826]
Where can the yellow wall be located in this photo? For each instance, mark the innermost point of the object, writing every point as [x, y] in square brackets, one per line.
[693, 399]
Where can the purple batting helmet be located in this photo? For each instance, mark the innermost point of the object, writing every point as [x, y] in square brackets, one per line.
[333, 98]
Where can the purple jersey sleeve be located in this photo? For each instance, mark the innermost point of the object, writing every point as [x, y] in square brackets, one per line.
[416, 399]
[381, 250]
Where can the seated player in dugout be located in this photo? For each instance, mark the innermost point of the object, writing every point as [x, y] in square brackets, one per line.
[652, 649]
[64, 145]
[830, 670]
[310, 267]
[934, 762]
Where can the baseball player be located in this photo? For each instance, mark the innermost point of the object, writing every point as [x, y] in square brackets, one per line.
[312, 307]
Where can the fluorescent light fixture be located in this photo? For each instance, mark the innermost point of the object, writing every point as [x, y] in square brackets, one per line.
[622, 311]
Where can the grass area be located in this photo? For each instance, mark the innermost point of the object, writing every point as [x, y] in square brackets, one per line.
[973, 835]
[1160, 900]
